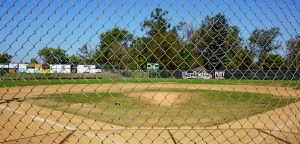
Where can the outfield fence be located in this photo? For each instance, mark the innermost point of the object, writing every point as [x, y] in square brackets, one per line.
[193, 71]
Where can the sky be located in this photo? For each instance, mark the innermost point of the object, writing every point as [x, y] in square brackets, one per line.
[26, 26]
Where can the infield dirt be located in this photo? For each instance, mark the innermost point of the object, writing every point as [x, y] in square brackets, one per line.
[29, 123]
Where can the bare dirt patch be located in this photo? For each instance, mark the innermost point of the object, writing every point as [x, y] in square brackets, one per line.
[162, 98]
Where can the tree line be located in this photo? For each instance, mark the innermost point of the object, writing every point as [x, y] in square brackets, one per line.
[215, 45]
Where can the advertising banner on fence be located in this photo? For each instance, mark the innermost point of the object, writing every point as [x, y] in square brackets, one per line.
[202, 75]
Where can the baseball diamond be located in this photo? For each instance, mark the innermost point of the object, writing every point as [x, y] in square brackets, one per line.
[149, 71]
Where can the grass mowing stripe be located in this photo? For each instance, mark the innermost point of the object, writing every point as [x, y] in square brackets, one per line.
[283, 83]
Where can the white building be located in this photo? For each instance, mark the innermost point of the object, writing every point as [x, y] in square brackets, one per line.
[22, 68]
[60, 68]
[88, 69]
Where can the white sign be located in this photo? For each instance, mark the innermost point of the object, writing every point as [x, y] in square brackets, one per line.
[152, 66]
[202, 75]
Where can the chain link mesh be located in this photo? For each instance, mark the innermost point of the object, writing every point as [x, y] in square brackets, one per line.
[149, 71]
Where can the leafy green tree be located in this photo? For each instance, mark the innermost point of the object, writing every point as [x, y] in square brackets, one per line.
[5, 58]
[165, 50]
[293, 55]
[164, 44]
[241, 59]
[213, 40]
[157, 24]
[53, 55]
[113, 48]
[263, 42]
[272, 62]
[138, 53]
[75, 60]
[33, 61]
[85, 55]
[188, 58]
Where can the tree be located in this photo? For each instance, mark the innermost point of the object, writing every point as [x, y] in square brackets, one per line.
[241, 59]
[157, 24]
[75, 60]
[164, 49]
[53, 55]
[33, 61]
[5, 58]
[188, 58]
[263, 42]
[272, 62]
[213, 39]
[113, 48]
[164, 44]
[85, 55]
[138, 53]
[293, 55]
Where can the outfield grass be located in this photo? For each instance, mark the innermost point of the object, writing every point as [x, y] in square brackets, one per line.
[204, 108]
[283, 83]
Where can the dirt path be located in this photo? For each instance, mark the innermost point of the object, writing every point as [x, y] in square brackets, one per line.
[31, 123]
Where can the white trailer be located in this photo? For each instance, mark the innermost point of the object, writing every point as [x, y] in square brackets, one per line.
[83, 68]
[95, 69]
[60, 68]
[34, 68]
[3, 66]
[13, 66]
[22, 68]
[88, 69]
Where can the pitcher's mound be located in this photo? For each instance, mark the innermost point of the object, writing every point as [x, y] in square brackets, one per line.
[162, 98]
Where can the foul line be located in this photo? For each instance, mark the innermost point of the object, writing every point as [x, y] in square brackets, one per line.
[173, 139]
[278, 138]
[67, 137]
[37, 118]
[16, 140]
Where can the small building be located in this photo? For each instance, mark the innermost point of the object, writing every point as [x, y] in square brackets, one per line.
[83, 68]
[95, 69]
[60, 68]
[89, 69]
[3, 69]
[34, 68]
[12, 68]
[22, 68]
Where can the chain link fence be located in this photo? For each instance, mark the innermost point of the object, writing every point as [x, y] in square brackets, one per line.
[149, 71]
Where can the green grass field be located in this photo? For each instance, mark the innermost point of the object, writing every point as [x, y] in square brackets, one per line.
[203, 108]
[12, 80]
[13, 83]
